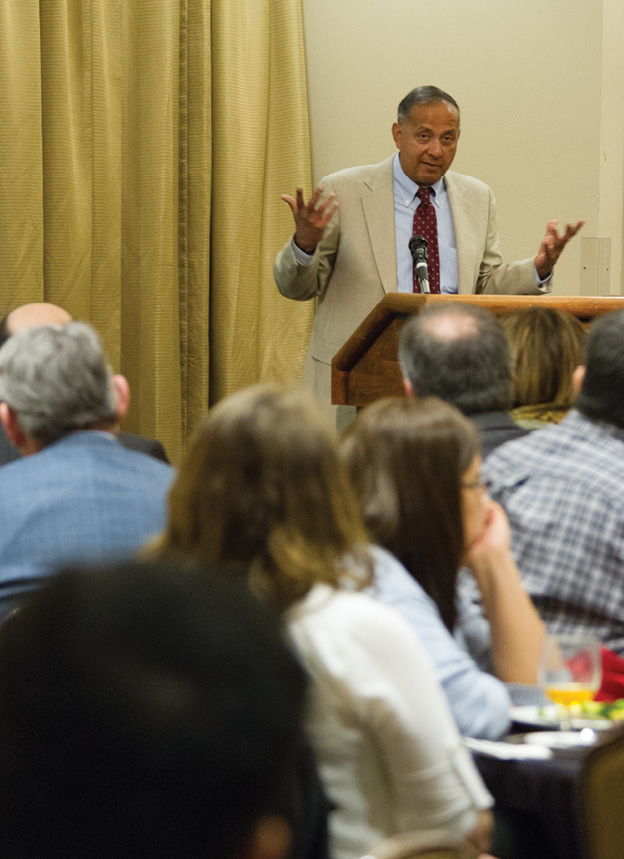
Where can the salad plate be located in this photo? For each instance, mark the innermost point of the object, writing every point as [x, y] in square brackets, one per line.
[599, 715]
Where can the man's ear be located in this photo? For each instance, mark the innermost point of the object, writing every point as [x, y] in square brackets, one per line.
[11, 426]
[577, 379]
[409, 388]
[397, 133]
[122, 390]
[271, 839]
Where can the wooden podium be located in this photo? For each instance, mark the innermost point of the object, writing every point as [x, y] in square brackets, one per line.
[367, 366]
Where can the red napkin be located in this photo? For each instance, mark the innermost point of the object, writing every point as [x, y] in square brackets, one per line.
[612, 686]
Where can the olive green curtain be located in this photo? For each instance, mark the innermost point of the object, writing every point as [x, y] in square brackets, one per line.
[144, 146]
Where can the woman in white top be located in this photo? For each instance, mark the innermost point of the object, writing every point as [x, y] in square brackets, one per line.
[261, 486]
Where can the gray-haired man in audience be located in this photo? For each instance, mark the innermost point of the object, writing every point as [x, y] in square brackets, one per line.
[459, 353]
[563, 490]
[44, 313]
[82, 495]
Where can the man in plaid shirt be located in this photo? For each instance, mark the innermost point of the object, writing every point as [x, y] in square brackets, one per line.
[563, 490]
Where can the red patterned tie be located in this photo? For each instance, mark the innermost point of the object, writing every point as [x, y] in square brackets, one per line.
[425, 224]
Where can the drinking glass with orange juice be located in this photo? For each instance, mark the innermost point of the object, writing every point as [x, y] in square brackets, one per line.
[570, 670]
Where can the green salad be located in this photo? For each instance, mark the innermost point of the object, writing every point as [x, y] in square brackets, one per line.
[612, 710]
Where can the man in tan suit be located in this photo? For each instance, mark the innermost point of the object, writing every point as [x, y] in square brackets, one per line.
[350, 245]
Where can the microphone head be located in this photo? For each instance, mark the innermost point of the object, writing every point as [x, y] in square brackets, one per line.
[418, 247]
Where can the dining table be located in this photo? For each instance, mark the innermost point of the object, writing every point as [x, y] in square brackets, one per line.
[538, 811]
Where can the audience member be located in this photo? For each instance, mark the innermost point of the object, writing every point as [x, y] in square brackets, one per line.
[563, 490]
[30, 315]
[459, 353]
[146, 711]
[82, 495]
[415, 465]
[547, 345]
[43, 313]
[262, 486]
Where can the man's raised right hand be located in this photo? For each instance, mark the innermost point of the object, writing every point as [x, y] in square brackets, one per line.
[311, 218]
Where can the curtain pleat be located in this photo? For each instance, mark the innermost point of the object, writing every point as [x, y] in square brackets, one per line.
[67, 145]
[195, 214]
[149, 254]
[21, 177]
[260, 149]
[106, 178]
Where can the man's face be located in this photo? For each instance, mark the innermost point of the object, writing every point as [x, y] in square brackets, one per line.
[427, 141]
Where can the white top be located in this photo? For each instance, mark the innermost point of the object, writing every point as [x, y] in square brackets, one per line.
[388, 750]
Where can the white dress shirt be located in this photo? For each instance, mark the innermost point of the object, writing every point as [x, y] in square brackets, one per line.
[389, 753]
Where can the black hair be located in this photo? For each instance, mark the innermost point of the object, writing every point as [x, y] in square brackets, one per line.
[145, 710]
[602, 393]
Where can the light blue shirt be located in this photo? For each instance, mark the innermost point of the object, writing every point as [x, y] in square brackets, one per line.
[405, 204]
[82, 499]
[478, 701]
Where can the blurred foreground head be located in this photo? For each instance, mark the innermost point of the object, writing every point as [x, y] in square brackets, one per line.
[145, 710]
[262, 486]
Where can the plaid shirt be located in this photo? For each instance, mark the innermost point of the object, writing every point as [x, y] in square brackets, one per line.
[563, 490]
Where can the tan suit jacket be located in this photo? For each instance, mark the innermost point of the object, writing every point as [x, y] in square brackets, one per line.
[355, 264]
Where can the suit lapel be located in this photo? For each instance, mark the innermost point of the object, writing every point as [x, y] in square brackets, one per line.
[378, 205]
[463, 221]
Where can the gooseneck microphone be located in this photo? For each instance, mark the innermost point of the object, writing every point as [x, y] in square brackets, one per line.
[418, 248]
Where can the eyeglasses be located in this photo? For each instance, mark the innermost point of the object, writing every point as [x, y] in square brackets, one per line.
[475, 484]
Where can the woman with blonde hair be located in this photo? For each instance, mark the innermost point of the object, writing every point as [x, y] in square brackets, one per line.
[415, 465]
[546, 346]
[261, 486]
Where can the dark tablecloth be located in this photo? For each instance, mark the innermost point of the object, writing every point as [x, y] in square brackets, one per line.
[538, 810]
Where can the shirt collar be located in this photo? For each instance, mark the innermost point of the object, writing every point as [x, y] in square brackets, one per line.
[407, 188]
[576, 419]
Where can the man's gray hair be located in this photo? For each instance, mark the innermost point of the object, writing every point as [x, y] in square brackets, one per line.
[459, 353]
[57, 379]
[423, 95]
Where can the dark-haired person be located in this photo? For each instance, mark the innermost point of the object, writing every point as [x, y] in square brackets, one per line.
[44, 313]
[459, 353]
[563, 490]
[415, 466]
[350, 245]
[146, 710]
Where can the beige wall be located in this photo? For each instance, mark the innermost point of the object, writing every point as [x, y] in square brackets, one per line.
[541, 87]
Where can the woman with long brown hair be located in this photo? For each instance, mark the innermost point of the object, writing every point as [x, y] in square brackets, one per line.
[261, 486]
[415, 465]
